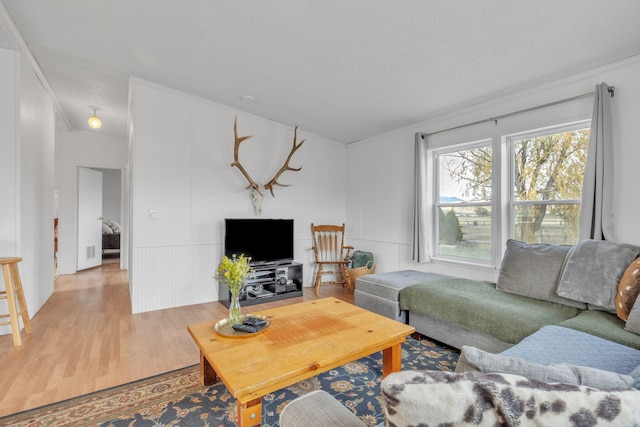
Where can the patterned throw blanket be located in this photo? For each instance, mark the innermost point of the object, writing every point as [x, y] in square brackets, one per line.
[438, 398]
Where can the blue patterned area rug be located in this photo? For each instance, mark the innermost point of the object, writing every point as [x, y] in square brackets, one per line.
[177, 399]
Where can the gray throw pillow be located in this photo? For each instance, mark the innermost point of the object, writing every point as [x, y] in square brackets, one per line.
[533, 270]
[593, 271]
[633, 322]
[635, 374]
[475, 359]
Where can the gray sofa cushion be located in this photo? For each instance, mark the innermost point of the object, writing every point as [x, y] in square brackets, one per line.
[474, 359]
[603, 324]
[533, 270]
[633, 322]
[389, 285]
[593, 271]
[557, 344]
[635, 374]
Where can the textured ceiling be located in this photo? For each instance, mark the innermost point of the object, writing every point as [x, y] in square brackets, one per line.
[346, 70]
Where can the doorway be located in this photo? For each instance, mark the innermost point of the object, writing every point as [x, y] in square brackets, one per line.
[101, 221]
[112, 223]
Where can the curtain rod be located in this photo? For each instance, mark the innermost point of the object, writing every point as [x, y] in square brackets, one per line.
[610, 89]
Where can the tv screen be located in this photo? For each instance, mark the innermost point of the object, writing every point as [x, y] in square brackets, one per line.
[264, 240]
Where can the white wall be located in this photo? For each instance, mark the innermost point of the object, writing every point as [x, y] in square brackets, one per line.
[111, 194]
[380, 173]
[74, 149]
[182, 148]
[37, 145]
[10, 149]
[9, 164]
[26, 176]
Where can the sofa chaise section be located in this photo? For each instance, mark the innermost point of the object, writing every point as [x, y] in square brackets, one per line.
[380, 293]
[555, 354]
[479, 308]
[558, 344]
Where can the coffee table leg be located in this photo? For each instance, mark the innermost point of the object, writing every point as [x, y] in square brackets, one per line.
[391, 359]
[250, 413]
[208, 375]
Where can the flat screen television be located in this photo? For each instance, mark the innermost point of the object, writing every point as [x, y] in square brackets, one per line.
[264, 240]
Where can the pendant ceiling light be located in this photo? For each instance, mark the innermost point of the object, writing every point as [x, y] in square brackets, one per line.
[94, 121]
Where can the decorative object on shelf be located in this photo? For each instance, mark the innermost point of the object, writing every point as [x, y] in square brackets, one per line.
[258, 189]
[233, 272]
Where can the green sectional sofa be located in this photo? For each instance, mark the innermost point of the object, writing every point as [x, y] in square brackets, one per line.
[570, 286]
[555, 318]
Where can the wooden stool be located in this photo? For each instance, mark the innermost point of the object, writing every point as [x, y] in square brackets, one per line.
[13, 289]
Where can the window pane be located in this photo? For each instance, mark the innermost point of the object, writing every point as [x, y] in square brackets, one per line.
[464, 179]
[465, 175]
[465, 231]
[554, 224]
[550, 167]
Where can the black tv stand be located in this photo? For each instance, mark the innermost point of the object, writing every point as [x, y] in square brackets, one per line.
[261, 264]
[273, 281]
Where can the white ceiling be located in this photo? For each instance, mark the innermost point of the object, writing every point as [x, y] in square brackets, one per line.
[345, 70]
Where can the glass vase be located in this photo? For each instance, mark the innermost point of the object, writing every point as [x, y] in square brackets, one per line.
[235, 315]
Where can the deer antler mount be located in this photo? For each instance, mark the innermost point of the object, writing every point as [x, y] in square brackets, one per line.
[258, 189]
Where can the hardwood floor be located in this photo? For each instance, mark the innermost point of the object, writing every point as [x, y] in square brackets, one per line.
[86, 339]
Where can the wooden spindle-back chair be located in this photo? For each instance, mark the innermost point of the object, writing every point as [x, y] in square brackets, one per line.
[329, 250]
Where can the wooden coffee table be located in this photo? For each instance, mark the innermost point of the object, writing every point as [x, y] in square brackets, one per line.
[303, 341]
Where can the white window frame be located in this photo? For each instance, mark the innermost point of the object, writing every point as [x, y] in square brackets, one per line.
[509, 141]
[502, 196]
[436, 153]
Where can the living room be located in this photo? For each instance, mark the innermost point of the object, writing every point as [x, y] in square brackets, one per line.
[179, 168]
[202, 179]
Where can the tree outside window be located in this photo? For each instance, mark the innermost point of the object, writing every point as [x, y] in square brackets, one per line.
[547, 176]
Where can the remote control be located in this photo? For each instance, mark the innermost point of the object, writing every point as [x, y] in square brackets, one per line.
[245, 328]
[254, 322]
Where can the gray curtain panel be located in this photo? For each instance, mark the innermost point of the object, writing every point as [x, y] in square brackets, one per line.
[420, 240]
[596, 212]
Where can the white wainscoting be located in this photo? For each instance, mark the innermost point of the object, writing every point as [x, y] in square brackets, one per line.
[173, 276]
